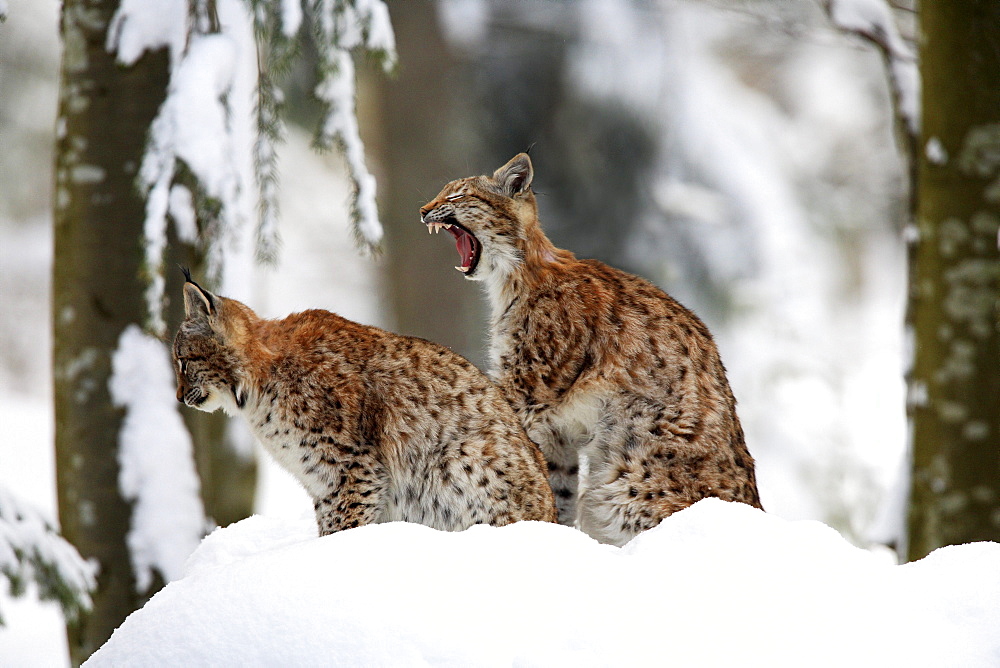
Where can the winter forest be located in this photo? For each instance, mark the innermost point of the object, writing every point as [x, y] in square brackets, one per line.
[819, 180]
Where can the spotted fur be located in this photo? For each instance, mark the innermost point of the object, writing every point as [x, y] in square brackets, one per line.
[620, 385]
[377, 427]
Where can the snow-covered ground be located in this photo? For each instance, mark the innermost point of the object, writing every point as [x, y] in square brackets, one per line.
[718, 584]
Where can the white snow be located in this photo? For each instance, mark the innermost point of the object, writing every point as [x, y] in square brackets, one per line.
[134, 29]
[31, 549]
[363, 23]
[717, 584]
[291, 17]
[156, 460]
[355, 24]
[181, 208]
[208, 121]
[600, 65]
[873, 19]
[34, 631]
[337, 91]
[936, 152]
[198, 111]
[205, 122]
[321, 268]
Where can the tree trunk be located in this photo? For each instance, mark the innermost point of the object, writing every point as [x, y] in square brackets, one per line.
[955, 281]
[104, 113]
[409, 123]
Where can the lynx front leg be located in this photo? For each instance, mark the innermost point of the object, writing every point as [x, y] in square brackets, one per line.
[354, 502]
[603, 498]
[336, 512]
[640, 471]
[564, 476]
[564, 467]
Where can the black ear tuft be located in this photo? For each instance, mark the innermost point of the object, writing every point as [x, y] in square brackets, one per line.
[514, 178]
[197, 300]
[188, 279]
[199, 304]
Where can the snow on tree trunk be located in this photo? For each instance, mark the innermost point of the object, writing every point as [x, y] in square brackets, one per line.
[204, 129]
[222, 117]
[954, 389]
[156, 471]
[104, 114]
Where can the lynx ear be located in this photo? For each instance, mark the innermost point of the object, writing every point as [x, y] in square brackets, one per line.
[515, 177]
[199, 304]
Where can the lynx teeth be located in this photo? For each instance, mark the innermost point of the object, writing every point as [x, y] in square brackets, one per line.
[464, 270]
[436, 227]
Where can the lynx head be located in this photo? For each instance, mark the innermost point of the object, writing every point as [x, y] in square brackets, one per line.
[491, 218]
[207, 350]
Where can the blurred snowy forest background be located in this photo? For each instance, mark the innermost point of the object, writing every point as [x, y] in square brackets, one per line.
[740, 153]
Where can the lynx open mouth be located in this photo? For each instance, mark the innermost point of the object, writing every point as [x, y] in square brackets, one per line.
[466, 244]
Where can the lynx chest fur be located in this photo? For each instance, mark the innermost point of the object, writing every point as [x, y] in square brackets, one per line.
[377, 427]
[621, 387]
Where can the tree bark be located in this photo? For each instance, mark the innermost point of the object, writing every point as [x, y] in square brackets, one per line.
[104, 113]
[409, 124]
[955, 282]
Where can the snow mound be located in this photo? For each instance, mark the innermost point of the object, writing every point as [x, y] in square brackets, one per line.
[718, 584]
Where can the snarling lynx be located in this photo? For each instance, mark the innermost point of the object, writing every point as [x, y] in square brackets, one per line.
[377, 427]
[621, 386]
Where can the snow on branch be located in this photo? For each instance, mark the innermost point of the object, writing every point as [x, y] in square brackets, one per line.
[201, 137]
[874, 21]
[215, 133]
[276, 27]
[155, 455]
[340, 127]
[340, 28]
[31, 550]
[134, 29]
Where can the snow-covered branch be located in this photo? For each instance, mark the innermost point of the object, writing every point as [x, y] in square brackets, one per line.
[340, 28]
[216, 131]
[873, 20]
[31, 550]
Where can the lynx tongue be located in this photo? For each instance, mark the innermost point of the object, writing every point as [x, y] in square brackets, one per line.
[466, 245]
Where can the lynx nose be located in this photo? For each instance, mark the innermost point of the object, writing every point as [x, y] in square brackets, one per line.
[180, 394]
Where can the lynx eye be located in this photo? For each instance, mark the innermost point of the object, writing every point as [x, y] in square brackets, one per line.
[455, 196]
[182, 365]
